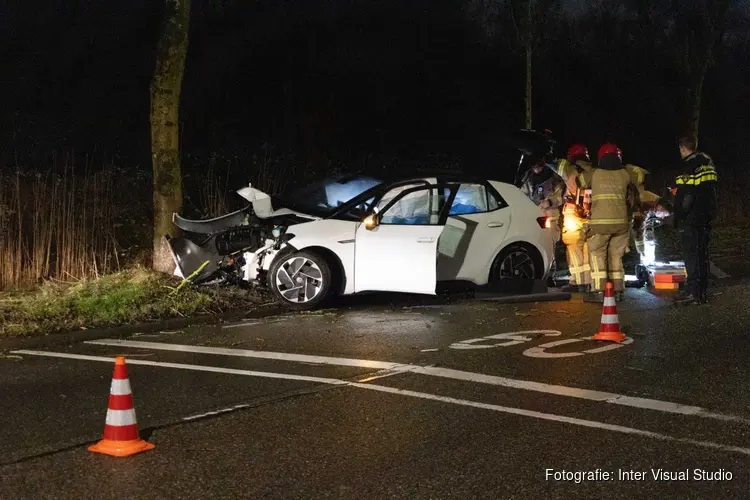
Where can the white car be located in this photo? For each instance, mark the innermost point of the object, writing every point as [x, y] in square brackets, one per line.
[362, 233]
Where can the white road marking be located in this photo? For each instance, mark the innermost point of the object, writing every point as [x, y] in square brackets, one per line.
[627, 341]
[238, 325]
[559, 390]
[216, 412]
[402, 392]
[246, 353]
[381, 374]
[200, 368]
[512, 338]
[555, 418]
[540, 350]
[573, 392]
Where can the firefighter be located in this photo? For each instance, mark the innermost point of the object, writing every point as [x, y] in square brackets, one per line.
[545, 188]
[576, 172]
[610, 222]
[695, 209]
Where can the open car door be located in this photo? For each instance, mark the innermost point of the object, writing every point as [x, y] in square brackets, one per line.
[396, 249]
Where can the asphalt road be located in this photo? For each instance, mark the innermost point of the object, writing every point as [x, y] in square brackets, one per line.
[400, 400]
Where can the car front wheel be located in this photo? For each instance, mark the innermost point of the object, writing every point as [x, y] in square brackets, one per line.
[300, 280]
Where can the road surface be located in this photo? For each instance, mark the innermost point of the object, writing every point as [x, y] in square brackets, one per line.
[407, 400]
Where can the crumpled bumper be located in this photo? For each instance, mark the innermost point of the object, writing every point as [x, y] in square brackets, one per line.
[188, 256]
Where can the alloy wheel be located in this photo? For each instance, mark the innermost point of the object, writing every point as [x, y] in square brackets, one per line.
[517, 264]
[299, 279]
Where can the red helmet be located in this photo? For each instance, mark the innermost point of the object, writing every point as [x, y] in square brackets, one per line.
[609, 148]
[578, 150]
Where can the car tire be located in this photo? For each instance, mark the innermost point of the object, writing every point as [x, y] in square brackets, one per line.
[300, 280]
[527, 264]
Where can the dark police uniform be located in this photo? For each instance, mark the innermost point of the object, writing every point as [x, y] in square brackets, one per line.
[695, 210]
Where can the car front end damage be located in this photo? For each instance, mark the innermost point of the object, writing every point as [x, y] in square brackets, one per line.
[235, 248]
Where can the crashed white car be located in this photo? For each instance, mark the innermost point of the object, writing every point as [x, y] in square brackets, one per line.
[362, 234]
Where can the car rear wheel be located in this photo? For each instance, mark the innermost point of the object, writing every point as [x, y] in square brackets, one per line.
[300, 280]
[516, 261]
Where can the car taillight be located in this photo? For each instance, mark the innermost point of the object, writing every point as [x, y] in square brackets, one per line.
[544, 222]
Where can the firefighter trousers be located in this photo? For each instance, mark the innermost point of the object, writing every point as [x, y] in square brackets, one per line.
[605, 256]
[695, 243]
[578, 263]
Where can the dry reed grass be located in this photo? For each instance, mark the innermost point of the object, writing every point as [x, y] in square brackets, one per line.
[56, 224]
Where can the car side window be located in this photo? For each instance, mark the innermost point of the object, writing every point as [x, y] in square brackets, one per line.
[492, 202]
[415, 208]
[474, 199]
[391, 194]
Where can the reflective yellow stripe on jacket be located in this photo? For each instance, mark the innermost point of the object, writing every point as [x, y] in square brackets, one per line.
[706, 173]
[607, 197]
[608, 221]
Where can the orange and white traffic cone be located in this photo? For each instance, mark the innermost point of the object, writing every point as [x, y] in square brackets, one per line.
[609, 329]
[121, 437]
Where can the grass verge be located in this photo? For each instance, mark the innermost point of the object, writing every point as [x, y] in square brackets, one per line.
[128, 297]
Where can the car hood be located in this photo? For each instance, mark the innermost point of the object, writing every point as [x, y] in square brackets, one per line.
[262, 204]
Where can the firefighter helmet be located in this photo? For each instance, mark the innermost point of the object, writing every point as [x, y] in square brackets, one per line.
[577, 150]
[609, 148]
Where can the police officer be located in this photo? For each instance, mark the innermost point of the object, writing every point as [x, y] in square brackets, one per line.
[576, 172]
[545, 188]
[610, 222]
[695, 209]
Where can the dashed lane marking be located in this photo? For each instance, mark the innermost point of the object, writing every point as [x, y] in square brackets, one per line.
[559, 390]
[402, 392]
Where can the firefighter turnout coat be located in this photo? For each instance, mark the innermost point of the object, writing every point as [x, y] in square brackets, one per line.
[611, 187]
[577, 177]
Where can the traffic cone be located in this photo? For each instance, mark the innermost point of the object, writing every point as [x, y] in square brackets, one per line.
[609, 328]
[121, 438]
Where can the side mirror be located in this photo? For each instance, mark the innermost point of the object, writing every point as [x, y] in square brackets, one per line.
[371, 221]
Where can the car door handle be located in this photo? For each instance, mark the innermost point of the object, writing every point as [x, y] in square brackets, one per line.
[425, 240]
[495, 224]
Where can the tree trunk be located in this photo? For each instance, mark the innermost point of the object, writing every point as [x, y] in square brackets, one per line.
[165, 105]
[693, 104]
[528, 88]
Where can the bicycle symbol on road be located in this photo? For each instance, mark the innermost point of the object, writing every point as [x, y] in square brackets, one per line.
[540, 351]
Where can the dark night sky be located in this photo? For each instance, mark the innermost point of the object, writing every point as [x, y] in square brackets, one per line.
[343, 79]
